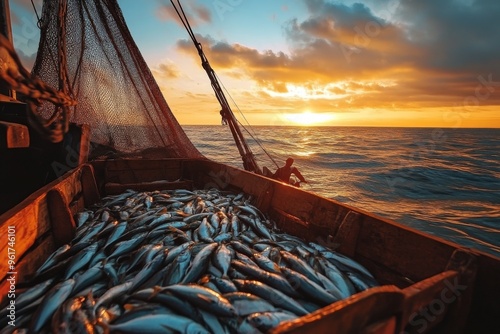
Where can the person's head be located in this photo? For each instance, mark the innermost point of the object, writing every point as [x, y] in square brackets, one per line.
[289, 161]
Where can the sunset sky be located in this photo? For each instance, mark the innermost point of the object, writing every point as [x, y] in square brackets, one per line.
[319, 62]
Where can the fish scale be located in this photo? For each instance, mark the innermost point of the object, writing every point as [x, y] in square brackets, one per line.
[214, 242]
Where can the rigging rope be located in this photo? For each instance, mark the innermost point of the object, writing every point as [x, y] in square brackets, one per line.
[249, 162]
[39, 21]
[17, 78]
[187, 26]
[254, 135]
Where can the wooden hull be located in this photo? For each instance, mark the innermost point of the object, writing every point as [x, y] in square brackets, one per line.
[428, 284]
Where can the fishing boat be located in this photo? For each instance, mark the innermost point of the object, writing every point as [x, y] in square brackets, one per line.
[427, 284]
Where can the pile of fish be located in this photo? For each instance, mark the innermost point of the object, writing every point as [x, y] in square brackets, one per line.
[181, 261]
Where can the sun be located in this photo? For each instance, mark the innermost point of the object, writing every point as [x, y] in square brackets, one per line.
[308, 118]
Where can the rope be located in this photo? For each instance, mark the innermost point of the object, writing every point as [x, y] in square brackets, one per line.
[187, 26]
[254, 135]
[17, 78]
[20, 80]
[39, 20]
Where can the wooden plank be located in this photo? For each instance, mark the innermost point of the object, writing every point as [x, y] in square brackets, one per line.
[465, 263]
[84, 149]
[412, 254]
[89, 186]
[13, 135]
[142, 164]
[63, 224]
[295, 226]
[138, 171]
[208, 174]
[351, 315]
[385, 326]
[427, 301]
[347, 235]
[30, 218]
[77, 205]
[485, 295]
[116, 188]
[28, 264]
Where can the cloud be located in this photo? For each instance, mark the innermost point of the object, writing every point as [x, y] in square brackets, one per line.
[425, 54]
[166, 70]
[454, 35]
[27, 60]
[197, 14]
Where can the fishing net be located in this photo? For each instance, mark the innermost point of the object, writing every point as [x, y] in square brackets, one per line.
[115, 91]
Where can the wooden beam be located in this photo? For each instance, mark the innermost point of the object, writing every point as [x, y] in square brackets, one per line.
[117, 188]
[13, 135]
[89, 186]
[347, 234]
[352, 315]
[465, 263]
[427, 302]
[63, 224]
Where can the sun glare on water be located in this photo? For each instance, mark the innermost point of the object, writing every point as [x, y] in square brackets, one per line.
[308, 118]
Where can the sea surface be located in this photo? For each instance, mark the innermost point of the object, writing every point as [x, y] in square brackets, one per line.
[445, 182]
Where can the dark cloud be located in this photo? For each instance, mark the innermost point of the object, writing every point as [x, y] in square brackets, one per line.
[454, 35]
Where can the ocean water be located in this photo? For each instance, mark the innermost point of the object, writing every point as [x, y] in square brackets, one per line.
[445, 182]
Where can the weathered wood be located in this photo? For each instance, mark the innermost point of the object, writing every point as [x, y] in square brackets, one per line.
[292, 219]
[351, 315]
[347, 234]
[465, 263]
[309, 232]
[115, 188]
[77, 205]
[89, 186]
[410, 253]
[30, 218]
[485, 295]
[28, 264]
[63, 224]
[385, 326]
[138, 171]
[427, 302]
[13, 135]
[84, 148]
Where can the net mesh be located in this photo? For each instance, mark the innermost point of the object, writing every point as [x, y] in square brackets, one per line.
[116, 93]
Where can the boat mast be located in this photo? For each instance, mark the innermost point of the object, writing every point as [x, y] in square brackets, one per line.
[249, 162]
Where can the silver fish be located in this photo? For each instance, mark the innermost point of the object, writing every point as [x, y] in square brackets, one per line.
[158, 323]
[113, 293]
[179, 267]
[80, 260]
[50, 303]
[222, 259]
[199, 264]
[308, 287]
[268, 320]
[245, 303]
[204, 298]
[272, 295]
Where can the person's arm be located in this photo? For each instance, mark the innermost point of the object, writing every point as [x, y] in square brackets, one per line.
[297, 173]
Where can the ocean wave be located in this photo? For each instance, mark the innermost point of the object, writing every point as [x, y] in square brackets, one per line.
[441, 181]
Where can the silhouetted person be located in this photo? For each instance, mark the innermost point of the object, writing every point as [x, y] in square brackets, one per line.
[284, 173]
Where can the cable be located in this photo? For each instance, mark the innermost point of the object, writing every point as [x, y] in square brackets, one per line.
[254, 135]
[39, 21]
